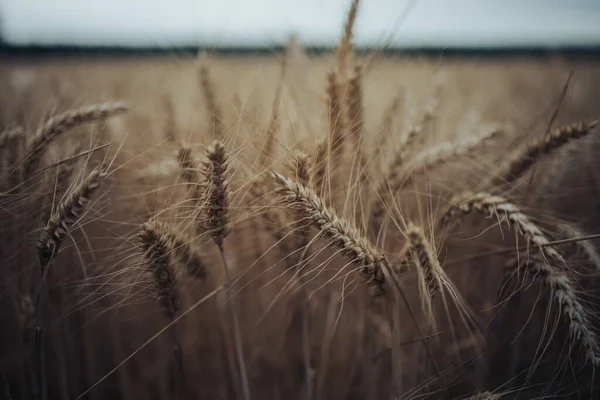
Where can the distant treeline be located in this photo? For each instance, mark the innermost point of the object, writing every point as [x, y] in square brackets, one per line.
[105, 51]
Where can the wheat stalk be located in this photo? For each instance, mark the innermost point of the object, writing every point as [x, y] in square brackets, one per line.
[431, 274]
[520, 164]
[217, 212]
[343, 48]
[57, 228]
[58, 124]
[340, 231]
[563, 292]
[550, 269]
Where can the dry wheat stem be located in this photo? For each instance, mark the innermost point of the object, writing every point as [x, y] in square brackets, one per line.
[152, 339]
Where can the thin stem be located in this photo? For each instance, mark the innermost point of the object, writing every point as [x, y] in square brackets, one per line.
[305, 320]
[414, 318]
[237, 337]
[153, 338]
[177, 367]
[39, 339]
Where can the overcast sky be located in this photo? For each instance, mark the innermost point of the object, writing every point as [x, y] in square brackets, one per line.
[316, 22]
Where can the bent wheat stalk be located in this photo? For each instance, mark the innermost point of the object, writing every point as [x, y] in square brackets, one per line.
[57, 228]
[550, 266]
[56, 125]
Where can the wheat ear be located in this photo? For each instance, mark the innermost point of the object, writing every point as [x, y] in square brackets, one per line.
[563, 292]
[430, 159]
[157, 243]
[337, 123]
[58, 124]
[67, 213]
[503, 210]
[266, 153]
[215, 112]
[320, 166]
[520, 164]
[551, 268]
[431, 274]
[158, 248]
[301, 168]
[170, 127]
[343, 48]
[58, 227]
[341, 232]
[188, 166]
[217, 212]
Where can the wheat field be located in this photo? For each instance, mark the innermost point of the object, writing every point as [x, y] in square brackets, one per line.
[336, 226]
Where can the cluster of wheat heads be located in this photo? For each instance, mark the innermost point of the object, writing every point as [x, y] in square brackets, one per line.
[277, 267]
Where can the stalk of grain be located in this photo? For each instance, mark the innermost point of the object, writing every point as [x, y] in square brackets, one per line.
[343, 48]
[217, 211]
[266, 153]
[214, 110]
[57, 228]
[337, 130]
[301, 169]
[520, 164]
[371, 261]
[158, 246]
[55, 126]
[550, 269]
[431, 275]
[432, 158]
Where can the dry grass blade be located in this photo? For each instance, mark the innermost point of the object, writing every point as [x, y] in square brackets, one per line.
[56, 125]
[340, 231]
